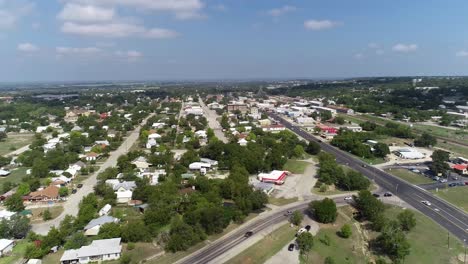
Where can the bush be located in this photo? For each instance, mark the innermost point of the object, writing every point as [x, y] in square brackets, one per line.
[346, 231]
[125, 259]
[329, 260]
[323, 188]
[324, 211]
[325, 240]
[46, 215]
[131, 246]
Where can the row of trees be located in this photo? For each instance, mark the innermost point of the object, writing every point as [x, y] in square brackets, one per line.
[354, 143]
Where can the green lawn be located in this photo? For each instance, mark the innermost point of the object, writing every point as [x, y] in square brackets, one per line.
[16, 254]
[265, 248]
[373, 161]
[456, 149]
[37, 213]
[457, 135]
[14, 142]
[15, 176]
[295, 166]
[428, 241]
[455, 195]
[281, 201]
[409, 176]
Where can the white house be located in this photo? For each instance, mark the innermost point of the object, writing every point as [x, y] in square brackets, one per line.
[99, 250]
[141, 163]
[158, 125]
[105, 210]
[5, 214]
[243, 142]
[151, 143]
[154, 136]
[124, 197]
[4, 173]
[199, 165]
[6, 246]
[209, 161]
[201, 134]
[93, 227]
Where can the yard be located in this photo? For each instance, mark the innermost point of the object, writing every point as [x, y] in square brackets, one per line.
[37, 213]
[409, 176]
[455, 195]
[295, 166]
[15, 176]
[17, 253]
[266, 247]
[14, 142]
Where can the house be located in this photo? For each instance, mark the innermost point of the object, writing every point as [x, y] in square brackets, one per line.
[105, 210]
[243, 142]
[91, 156]
[78, 165]
[201, 134]
[461, 168]
[34, 261]
[124, 186]
[124, 197]
[409, 153]
[6, 195]
[104, 143]
[77, 128]
[99, 250]
[158, 125]
[41, 129]
[92, 228]
[151, 143]
[276, 177]
[4, 173]
[199, 166]
[209, 161]
[154, 136]
[141, 163]
[5, 214]
[50, 193]
[264, 187]
[273, 128]
[6, 246]
[236, 106]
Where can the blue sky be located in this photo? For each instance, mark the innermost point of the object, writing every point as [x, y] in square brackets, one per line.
[73, 40]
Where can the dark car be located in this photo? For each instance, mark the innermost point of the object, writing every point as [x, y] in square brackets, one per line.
[307, 227]
[248, 234]
[376, 195]
[387, 194]
[453, 184]
[74, 191]
[79, 185]
[291, 247]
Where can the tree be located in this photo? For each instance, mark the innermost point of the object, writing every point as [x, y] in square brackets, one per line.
[135, 231]
[76, 241]
[425, 140]
[46, 215]
[381, 150]
[296, 217]
[23, 189]
[305, 241]
[313, 148]
[324, 211]
[369, 206]
[339, 120]
[439, 161]
[14, 203]
[346, 231]
[109, 230]
[407, 220]
[63, 191]
[40, 168]
[298, 151]
[393, 242]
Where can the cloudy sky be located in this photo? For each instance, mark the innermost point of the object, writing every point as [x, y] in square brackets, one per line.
[73, 40]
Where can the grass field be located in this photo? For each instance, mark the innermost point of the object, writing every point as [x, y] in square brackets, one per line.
[15, 176]
[295, 166]
[456, 149]
[409, 176]
[281, 201]
[14, 142]
[455, 195]
[457, 135]
[38, 212]
[265, 248]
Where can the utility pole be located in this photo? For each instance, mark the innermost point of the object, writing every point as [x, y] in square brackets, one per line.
[464, 245]
[448, 240]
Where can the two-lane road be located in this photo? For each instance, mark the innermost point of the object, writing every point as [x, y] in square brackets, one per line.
[445, 214]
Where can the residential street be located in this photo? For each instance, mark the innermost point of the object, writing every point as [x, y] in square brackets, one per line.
[212, 122]
[71, 205]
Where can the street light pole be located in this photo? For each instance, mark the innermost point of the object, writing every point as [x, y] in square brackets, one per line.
[464, 245]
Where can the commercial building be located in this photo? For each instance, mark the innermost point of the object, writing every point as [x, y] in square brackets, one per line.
[276, 177]
[409, 153]
[243, 108]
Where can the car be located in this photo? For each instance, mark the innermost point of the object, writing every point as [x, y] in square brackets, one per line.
[307, 227]
[426, 203]
[387, 194]
[291, 247]
[288, 213]
[452, 184]
[466, 183]
[376, 195]
[443, 180]
[302, 230]
[455, 178]
[364, 165]
[79, 185]
[74, 190]
[248, 234]
[348, 198]
[436, 209]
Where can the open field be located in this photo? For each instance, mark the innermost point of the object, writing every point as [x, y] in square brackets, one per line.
[15, 176]
[281, 201]
[455, 195]
[14, 142]
[37, 213]
[265, 248]
[456, 149]
[295, 166]
[457, 135]
[409, 176]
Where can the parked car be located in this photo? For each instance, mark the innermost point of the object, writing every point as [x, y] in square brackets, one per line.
[387, 194]
[291, 247]
[453, 184]
[79, 185]
[376, 195]
[348, 198]
[307, 227]
[302, 230]
[288, 213]
[426, 203]
[443, 180]
[248, 234]
[74, 190]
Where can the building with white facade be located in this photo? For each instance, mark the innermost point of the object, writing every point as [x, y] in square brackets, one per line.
[99, 250]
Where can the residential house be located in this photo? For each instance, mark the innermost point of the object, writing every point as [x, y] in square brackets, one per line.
[243, 142]
[141, 163]
[105, 210]
[4, 173]
[6, 246]
[93, 227]
[50, 193]
[151, 143]
[5, 214]
[158, 125]
[154, 136]
[201, 134]
[6, 195]
[91, 156]
[99, 250]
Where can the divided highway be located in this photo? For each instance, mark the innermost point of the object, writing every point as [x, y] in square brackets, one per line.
[445, 214]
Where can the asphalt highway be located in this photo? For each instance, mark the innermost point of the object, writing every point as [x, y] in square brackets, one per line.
[442, 212]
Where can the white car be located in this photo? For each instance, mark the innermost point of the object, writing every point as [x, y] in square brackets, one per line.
[349, 198]
[302, 230]
[426, 203]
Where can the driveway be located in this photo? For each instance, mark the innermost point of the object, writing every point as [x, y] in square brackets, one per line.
[72, 204]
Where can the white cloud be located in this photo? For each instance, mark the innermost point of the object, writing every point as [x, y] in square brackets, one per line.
[131, 55]
[27, 47]
[405, 47]
[86, 13]
[161, 33]
[117, 30]
[189, 15]
[12, 11]
[358, 56]
[320, 24]
[462, 53]
[281, 11]
[181, 8]
[71, 50]
[373, 45]
[7, 19]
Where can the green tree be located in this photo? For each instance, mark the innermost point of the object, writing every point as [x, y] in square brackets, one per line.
[14, 203]
[76, 241]
[40, 168]
[305, 241]
[63, 191]
[393, 242]
[339, 120]
[23, 189]
[46, 215]
[407, 220]
[381, 150]
[369, 206]
[296, 217]
[439, 161]
[324, 211]
[298, 151]
[425, 140]
[135, 231]
[346, 231]
[313, 148]
[110, 230]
